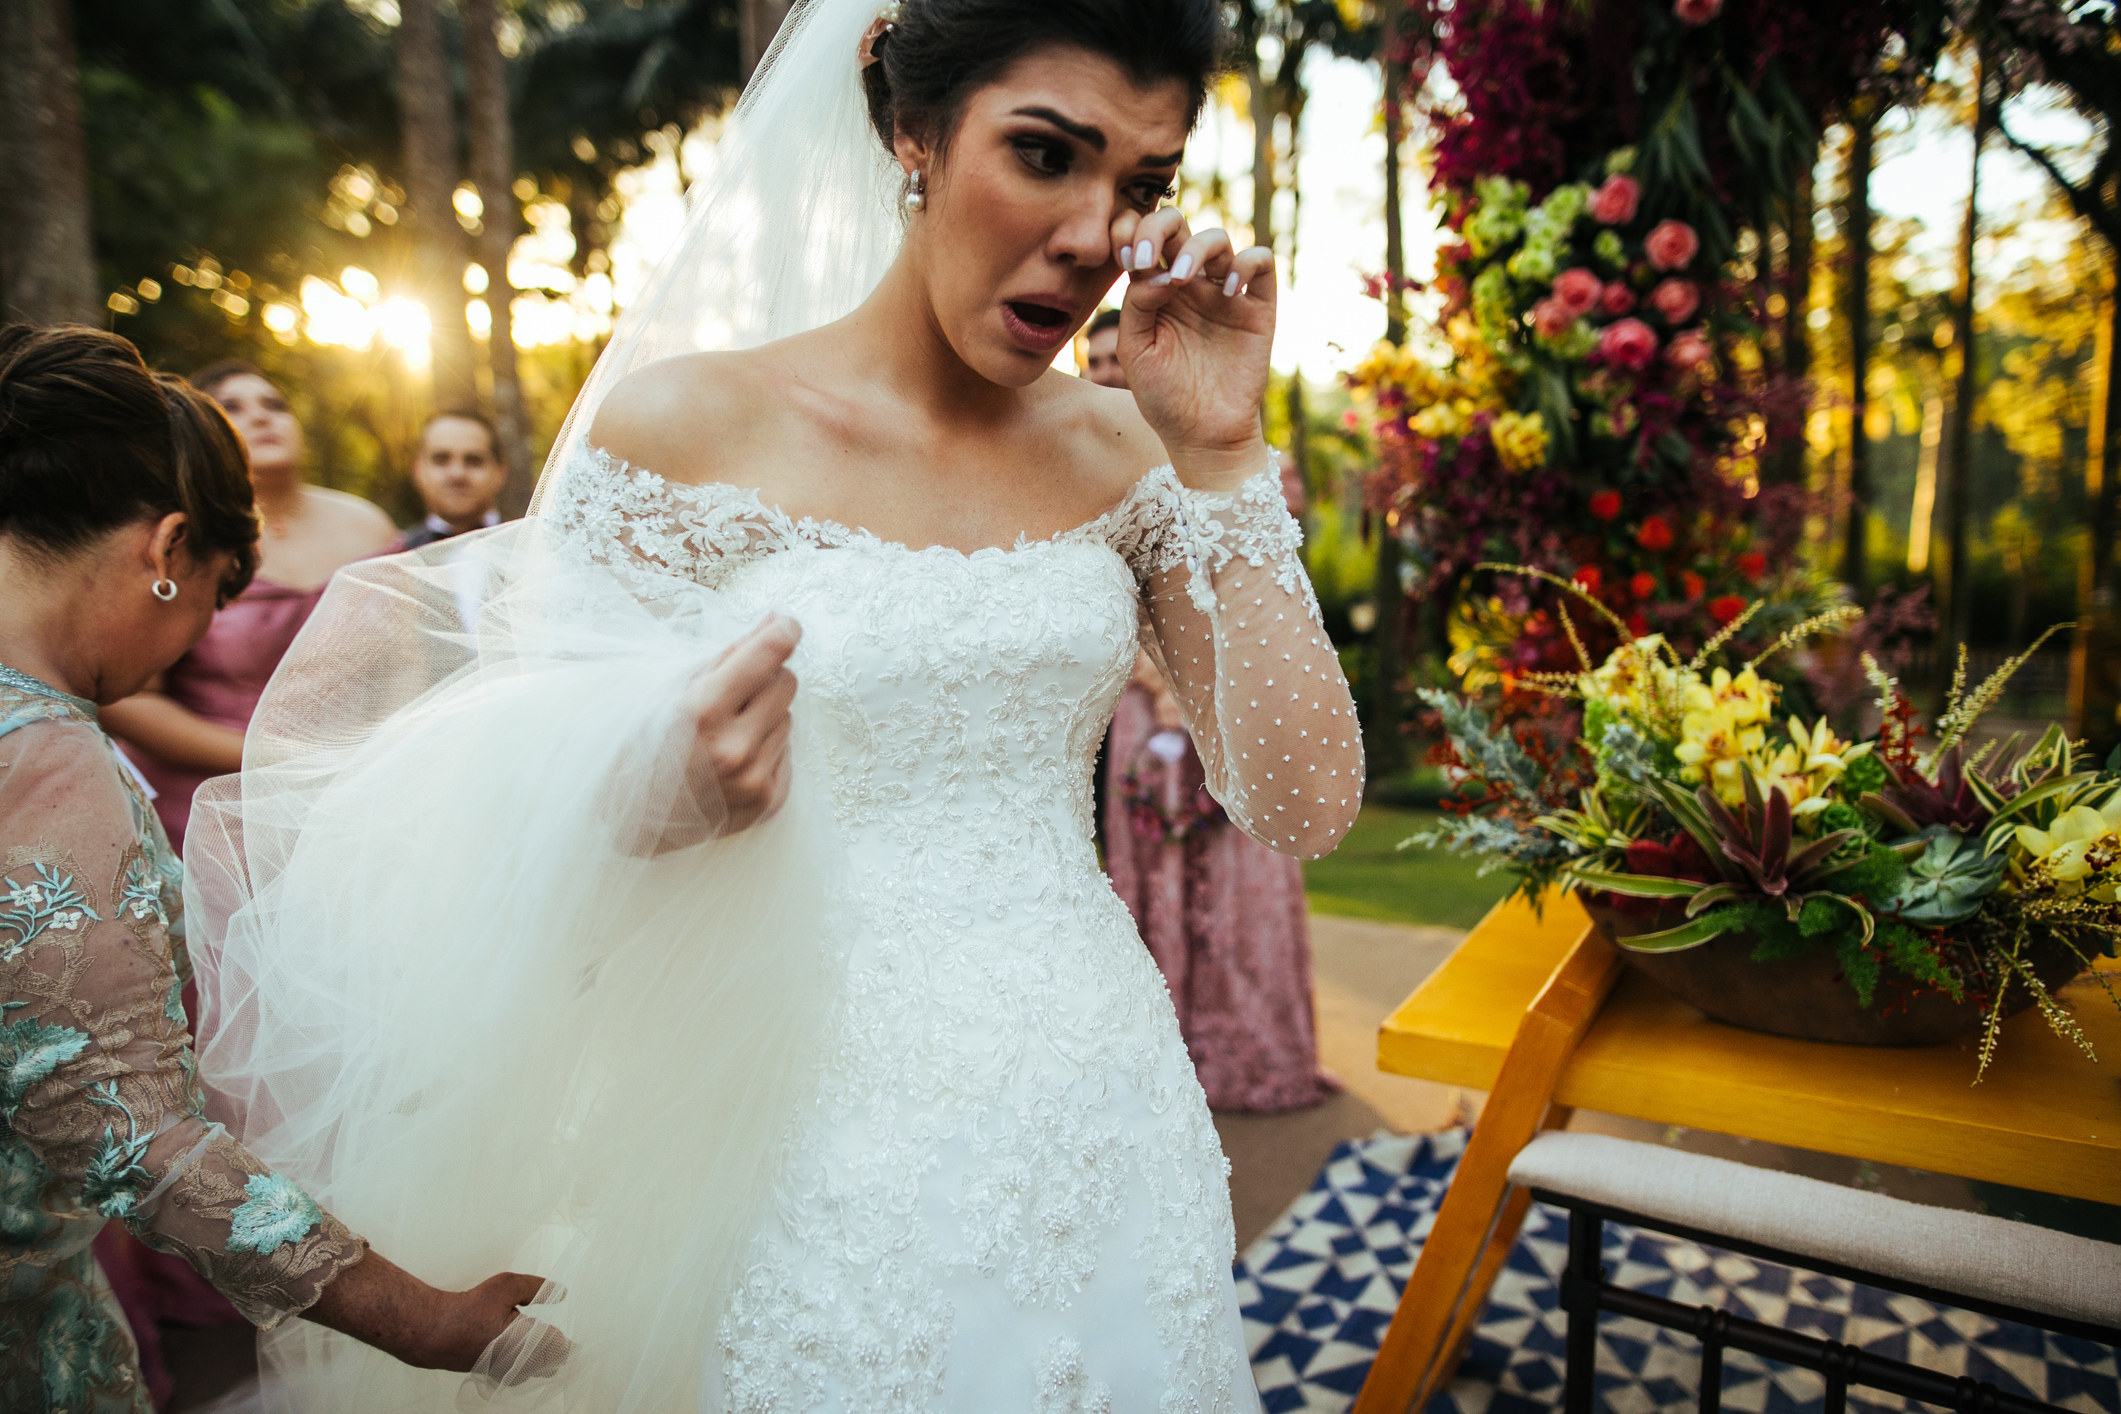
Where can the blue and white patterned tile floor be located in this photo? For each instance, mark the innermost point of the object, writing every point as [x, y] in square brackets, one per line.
[1318, 1289]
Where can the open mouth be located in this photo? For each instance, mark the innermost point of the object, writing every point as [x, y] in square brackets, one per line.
[1037, 325]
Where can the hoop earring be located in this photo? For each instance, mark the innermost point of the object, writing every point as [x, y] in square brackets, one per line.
[917, 194]
[164, 589]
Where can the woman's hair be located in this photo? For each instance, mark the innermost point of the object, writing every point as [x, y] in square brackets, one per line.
[939, 51]
[91, 440]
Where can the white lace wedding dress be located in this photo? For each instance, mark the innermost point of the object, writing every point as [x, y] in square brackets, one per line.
[879, 1106]
[1011, 1197]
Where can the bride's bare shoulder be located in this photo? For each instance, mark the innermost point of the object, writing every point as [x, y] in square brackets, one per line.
[689, 417]
[1110, 444]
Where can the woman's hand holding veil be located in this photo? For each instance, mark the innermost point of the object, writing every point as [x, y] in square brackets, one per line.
[1195, 331]
[736, 769]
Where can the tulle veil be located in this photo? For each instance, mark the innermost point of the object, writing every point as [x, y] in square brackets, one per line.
[448, 984]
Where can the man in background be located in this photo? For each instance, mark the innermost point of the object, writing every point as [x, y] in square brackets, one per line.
[1101, 350]
[459, 474]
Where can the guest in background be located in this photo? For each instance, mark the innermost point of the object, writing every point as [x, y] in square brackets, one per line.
[1101, 350]
[125, 520]
[1222, 915]
[459, 474]
[188, 726]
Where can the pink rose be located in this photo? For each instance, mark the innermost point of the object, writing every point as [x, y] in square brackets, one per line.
[1578, 290]
[1617, 299]
[1672, 245]
[1696, 12]
[1627, 343]
[1689, 349]
[1676, 300]
[1613, 204]
[1551, 318]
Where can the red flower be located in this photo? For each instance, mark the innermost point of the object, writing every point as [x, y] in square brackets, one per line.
[1577, 289]
[1638, 625]
[1691, 583]
[1643, 585]
[1653, 534]
[1676, 300]
[1671, 245]
[1627, 343]
[1689, 349]
[1753, 565]
[1551, 318]
[1725, 607]
[1613, 204]
[1617, 299]
[1588, 579]
[1605, 505]
[1696, 12]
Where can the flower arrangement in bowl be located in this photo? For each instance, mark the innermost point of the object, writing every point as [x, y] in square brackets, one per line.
[1900, 890]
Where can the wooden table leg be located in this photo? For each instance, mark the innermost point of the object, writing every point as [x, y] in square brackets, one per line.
[1480, 1216]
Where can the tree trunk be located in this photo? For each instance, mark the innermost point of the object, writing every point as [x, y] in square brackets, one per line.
[2095, 653]
[492, 168]
[1785, 466]
[1260, 95]
[47, 251]
[1395, 75]
[1856, 313]
[1384, 745]
[1299, 429]
[427, 114]
[757, 21]
[1956, 595]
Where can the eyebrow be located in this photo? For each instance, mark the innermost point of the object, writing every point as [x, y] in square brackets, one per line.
[1084, 132]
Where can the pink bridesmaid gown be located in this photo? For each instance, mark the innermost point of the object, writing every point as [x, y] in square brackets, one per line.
[1222, 915]
[221, 679]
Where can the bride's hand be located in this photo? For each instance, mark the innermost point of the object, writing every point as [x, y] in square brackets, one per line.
[1195, 330]
[738, 767]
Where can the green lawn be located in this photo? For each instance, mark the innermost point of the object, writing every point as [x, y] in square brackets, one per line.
[1369, 876]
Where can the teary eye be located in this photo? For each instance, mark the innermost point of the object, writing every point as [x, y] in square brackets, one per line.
[1045, 156]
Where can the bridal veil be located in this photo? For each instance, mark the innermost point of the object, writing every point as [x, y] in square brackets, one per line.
[447, 983]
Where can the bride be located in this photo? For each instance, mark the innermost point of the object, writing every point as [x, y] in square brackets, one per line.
[817, 1064]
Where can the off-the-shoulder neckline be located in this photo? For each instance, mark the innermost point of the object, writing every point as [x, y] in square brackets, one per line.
[815, 531]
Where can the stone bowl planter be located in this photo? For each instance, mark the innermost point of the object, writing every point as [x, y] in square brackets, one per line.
[1806, 997]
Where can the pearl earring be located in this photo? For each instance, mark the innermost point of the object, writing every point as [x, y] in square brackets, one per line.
[917, 194]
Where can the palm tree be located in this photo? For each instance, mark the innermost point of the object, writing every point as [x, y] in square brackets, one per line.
[47, 261]
[493, 172]
[428, 129]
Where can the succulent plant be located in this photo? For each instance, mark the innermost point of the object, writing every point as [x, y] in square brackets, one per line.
[1947, 882]
[1914, 801]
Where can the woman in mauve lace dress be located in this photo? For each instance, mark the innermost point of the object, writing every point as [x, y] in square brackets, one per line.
[125, 520]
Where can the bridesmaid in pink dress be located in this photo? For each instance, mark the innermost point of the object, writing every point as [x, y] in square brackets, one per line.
[190, 726]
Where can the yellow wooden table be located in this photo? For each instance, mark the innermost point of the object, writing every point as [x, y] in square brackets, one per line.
[1539, 1012]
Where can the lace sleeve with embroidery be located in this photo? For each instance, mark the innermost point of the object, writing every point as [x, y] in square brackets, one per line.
[1231, 622]
[98, 1093]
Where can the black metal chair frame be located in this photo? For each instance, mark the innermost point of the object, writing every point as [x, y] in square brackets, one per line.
[1585, 1294]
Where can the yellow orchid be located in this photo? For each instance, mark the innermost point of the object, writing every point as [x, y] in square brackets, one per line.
[1789, 770]
[1746, 697]
[1717, 744]
[1824, 752]
[1520, 440]
[2082, 842]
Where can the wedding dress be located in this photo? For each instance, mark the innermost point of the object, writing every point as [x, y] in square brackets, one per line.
[878, 1106]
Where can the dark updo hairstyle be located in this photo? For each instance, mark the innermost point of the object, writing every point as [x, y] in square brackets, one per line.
[939, 51]
[91, 439]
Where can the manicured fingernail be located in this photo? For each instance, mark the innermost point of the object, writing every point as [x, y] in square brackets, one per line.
[1163, 279]
[1230, 285]
[1144, 255]
[1126, 257]
[1182, 267]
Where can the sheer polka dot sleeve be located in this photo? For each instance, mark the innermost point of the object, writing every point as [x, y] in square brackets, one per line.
[1230, 620]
